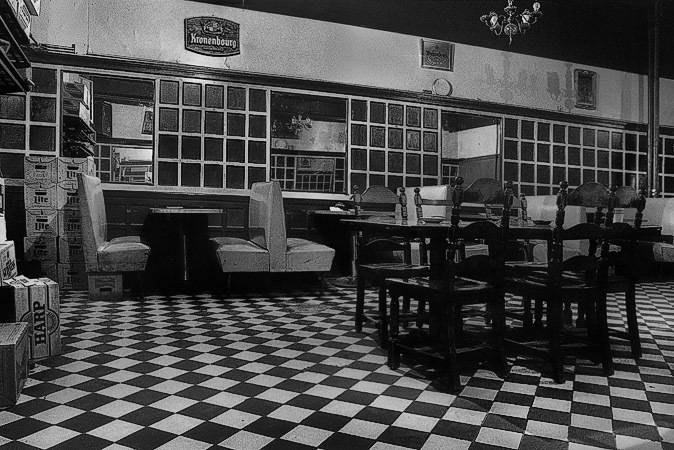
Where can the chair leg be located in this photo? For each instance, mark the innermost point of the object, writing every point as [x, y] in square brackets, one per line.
[538, 314]
[602, 331]
[527, 318]
[568, 314]
[554, 314]
[451, 321]
[228, 285]
[393, 353]
[498, 325]
[383, 316]
[632, 323]
[360, 303]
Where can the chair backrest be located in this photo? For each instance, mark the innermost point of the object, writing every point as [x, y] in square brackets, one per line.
[377, 200]
[436, 201]
[94, 220]
[266, 222]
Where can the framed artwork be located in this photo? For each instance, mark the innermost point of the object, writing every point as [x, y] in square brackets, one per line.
[437, 55]
[585, 83]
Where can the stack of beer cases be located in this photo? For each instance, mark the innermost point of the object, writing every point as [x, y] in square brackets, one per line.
[53, 224]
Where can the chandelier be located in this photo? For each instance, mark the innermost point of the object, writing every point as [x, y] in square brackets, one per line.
[512, 23]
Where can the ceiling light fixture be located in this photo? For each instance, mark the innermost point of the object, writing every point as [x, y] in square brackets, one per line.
[512, 23]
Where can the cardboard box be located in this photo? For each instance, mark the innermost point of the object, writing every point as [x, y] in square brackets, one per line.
[67, 196]
[72, 275]
[15, 301]
[68, 168]
[105, 287]
[40, 196]
[69, 222]
[40, 248]
[14, 344]
[43, 304]
[40, 169]
[70, 249]
[41, 222]
[49, 269]
[7, 261]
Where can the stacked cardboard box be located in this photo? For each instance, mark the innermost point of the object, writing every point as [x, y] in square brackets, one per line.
[13, 361]
[36, 302]
[7, 261]
[53, 224]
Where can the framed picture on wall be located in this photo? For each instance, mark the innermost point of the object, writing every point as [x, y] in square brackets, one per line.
[585, 83]
[437, 55]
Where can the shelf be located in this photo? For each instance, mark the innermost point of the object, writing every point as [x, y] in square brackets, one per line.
[12, 79]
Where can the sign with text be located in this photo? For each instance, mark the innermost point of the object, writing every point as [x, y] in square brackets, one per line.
[212, 36]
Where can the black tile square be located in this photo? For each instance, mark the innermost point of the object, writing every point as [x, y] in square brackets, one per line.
[210, 432]
[146, 439]
[146, 416]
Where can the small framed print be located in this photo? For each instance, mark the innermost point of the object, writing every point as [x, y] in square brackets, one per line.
[437, 55]
[586, 89]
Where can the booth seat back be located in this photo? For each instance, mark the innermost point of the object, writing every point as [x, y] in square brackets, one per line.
[266, 222]
[94, 221]
[660, 212]
[544, 207]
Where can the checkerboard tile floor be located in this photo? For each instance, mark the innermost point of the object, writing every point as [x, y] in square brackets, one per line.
[282, 371]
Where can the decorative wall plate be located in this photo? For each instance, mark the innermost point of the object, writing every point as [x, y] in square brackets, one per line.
[442, 87]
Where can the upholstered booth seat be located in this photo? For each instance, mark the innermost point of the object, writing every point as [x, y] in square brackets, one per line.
[306, 256]
[103, 256]
[240, 255]
[123, 254]
[268, 249]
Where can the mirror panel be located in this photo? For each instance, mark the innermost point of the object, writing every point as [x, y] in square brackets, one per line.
[119, 112]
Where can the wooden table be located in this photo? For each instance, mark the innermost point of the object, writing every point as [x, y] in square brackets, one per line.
[333, 219]
[182, 215]
[436, 233]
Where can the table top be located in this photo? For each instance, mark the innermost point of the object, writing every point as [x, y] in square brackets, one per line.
[181, 210]
[420, 228]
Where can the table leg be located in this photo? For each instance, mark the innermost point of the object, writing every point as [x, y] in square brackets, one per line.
[349, 281]
[182, 243]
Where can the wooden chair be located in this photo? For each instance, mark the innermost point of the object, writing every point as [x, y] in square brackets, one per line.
[380, 256]
[474, 280]
[623, 278]
[581, 279]
[103, 256]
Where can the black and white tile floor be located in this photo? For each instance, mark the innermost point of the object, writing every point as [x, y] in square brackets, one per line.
[281, 371]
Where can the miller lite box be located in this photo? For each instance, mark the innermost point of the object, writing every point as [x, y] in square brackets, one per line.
[40, 195]
[40, 248]
[14, 346]
[42, 304]
[68, 168]
[7, 261]
[41, 222]
[40, 169]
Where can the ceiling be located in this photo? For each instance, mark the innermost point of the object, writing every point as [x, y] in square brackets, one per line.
[603, 33]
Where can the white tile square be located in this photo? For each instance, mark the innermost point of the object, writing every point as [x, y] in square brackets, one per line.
[49, 437]
[499, 438]
[307, 435]
[177, 424]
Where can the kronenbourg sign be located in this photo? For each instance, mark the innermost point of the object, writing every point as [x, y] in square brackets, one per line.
[212, 36]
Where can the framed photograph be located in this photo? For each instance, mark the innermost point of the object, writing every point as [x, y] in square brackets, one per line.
[437, 55]
[585, 83]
